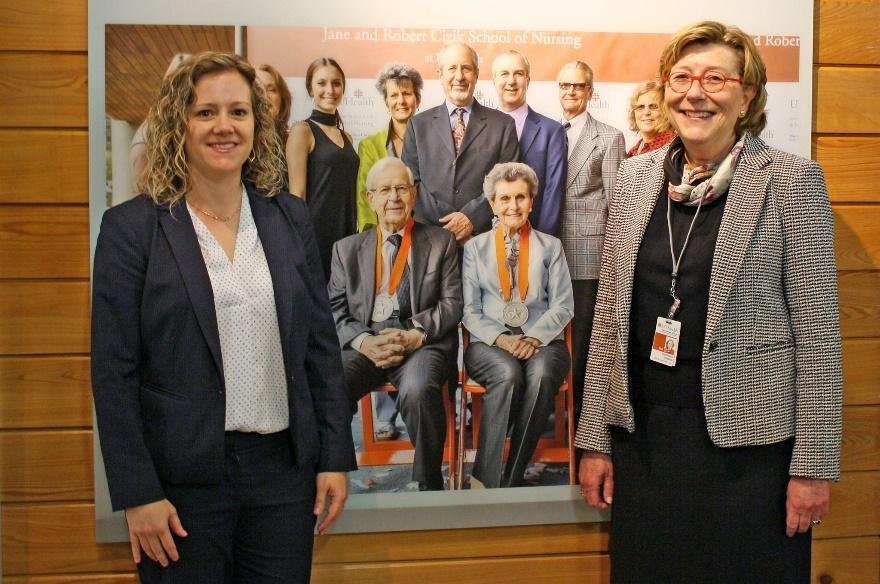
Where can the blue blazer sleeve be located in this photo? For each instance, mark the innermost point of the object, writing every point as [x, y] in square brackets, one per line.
[121, 262]
[554, 182]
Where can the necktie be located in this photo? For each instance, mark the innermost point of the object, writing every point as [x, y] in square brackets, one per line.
[458, 130]
[403, 288]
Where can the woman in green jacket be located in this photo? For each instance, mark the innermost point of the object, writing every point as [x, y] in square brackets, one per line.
[401, 87]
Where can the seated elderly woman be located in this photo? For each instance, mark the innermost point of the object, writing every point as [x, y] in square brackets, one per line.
[648, 118]
[517, 302]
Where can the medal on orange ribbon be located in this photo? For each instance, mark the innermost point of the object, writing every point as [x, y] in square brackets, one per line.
[383, 304]
[515, 312]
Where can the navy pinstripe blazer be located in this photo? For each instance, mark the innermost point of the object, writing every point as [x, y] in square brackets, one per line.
[771, 365]
[157, 373]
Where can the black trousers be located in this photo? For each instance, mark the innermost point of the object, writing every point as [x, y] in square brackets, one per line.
[686, 510]
[581, 329]
[419, 381]
[257, 526]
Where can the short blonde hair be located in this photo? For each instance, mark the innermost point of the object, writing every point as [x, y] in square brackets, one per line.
[166, 177]
[751, 66]
[640, 90]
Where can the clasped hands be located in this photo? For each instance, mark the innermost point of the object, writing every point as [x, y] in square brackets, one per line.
[459, 224]
[520, 346]
[391, 346]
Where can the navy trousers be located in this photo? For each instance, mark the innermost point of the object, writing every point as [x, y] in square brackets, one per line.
[256, 526]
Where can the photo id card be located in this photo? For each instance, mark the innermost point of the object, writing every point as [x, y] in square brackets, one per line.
[664, 349]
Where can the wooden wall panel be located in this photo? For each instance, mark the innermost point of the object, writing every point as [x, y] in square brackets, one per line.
[40, 392]
[846, 561]
[851, 165]
[44, 241]
[859, 303]
[497, 570]
[44, 317]
[860, 449]
[43, 92]
[855, 507]
[848, 32]
[43, 25]
[51, 465]
[57, 539]
[857, 237]
[861, 371]
[44, 166]
[846, 100]
[122, 578]
[43, 140]
[461, 543]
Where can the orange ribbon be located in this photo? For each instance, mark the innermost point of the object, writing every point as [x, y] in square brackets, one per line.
[522, 281]
[399, 263]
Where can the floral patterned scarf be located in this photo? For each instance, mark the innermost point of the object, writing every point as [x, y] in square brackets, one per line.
[699, 184]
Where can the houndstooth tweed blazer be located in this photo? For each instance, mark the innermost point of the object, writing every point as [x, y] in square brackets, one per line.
[592, 169]
[771, 364]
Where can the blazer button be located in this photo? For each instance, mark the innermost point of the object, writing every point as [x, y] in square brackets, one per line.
[713, 345]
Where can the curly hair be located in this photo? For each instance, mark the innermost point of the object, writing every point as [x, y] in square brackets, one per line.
[640, 90]
[509, 172]
[751, 66]
[166, 178]
[398, 73]
[282, 120]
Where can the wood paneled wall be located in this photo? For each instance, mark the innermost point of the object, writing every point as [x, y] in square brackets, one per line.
[45, 410]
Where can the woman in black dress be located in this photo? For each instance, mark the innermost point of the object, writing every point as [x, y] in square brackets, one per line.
[322, 164]
[717, 447]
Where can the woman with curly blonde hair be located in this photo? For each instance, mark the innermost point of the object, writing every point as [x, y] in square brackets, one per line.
[216, 371]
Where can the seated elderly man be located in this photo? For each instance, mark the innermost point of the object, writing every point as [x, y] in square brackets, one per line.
[396, 313]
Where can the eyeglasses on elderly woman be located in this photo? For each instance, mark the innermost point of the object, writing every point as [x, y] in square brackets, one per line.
[710, 81]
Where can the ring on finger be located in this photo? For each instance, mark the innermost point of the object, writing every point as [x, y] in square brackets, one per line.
[816, 522]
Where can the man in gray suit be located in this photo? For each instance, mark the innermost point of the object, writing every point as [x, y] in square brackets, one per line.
[595, 150]
[452, 147]
[397, 317]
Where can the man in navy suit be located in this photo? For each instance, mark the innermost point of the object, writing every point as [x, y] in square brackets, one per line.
[541, 140]
[452, 147]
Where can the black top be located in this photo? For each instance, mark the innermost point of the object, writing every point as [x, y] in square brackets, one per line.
[654, 382]
[330, 191]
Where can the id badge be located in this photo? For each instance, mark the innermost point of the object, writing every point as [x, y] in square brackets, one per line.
[664, 349]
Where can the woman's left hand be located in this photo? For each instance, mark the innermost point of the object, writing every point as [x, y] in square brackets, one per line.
[332, 485]
[806, 502]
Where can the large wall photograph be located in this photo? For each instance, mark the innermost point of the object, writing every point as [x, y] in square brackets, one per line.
[137, 47]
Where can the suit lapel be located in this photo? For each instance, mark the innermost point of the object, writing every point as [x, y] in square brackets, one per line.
[651, 176]
[583, 148]
[421, 249]
[530, 131]
[476, 124]
[366, 258]
[745, 200]
[442, 129]
[181, 235]
[274, 232]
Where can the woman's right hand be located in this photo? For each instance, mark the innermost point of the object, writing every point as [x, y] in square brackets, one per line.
[596, 476]
[150, 527]
[516, 346]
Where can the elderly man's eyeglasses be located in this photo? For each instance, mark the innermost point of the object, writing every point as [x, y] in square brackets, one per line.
[400, 190]
[710, 81]
[649, 106]
[575, 86]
